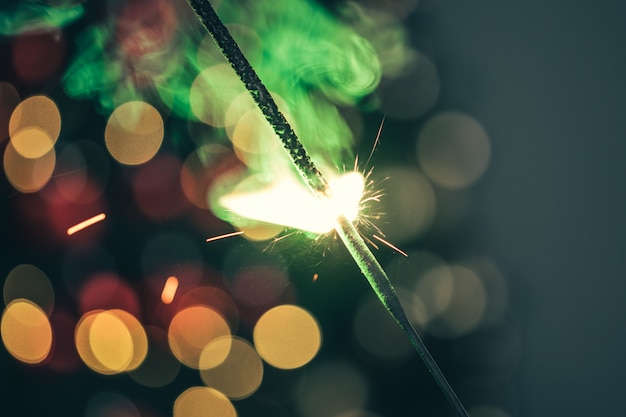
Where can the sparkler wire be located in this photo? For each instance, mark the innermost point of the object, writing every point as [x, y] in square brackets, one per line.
[351, 238]
[261, 96]
[380, 283]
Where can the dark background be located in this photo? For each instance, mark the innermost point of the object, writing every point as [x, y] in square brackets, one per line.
[546, 78]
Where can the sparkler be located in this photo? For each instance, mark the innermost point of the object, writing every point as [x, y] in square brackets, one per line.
[313, 178]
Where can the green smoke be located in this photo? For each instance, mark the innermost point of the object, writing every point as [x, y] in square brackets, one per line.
[301, 52]
[22, 16]
[315, 63]
[305, 55]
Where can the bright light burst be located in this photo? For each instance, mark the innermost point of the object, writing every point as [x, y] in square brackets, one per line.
[289, 203]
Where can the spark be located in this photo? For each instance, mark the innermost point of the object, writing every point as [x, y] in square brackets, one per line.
[224, 236]
[386, 242]
[376, 141]
[86, 223]
[169, 290]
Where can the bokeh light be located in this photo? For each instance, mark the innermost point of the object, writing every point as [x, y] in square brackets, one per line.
[453, 149]
[26, 331]
[31, 283]
[111, 403]
[332, 387]
[159, 368]
[232, 366]
[203, 402]
[215, 298]
[63, 356]
[192, 329]
[157, 189]
[199, 170]
[409, 205]
[134, 133]
[413, 92]
[39, 55]
[25, 174]
[105, 291]
[454, 299]
[111, 341]
[9, 99]
[287, 337]
[247, 39]
[212, 92]
[34, 126]
[82, 172]
[377, 334]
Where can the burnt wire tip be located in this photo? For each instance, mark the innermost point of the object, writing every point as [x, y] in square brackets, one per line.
[298, 154]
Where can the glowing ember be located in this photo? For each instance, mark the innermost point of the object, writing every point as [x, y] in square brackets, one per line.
[224, 236]
[397, 249]
[86, 223]
[288, 203]
[169, 290]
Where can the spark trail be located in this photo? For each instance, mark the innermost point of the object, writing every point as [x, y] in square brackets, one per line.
[313, 178]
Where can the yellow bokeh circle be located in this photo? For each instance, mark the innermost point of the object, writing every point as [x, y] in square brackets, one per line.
[231, 365]
[111, 341]
[134, 133]
[26, 331]
[203, 402]
[192, 329]
[34, 126]
[287, 337]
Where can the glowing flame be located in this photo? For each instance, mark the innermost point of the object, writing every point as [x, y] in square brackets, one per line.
[290, 204]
